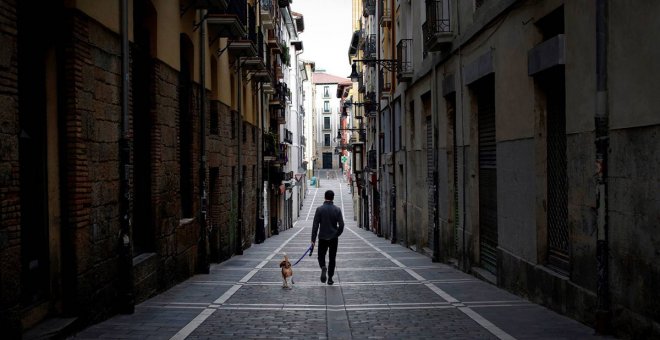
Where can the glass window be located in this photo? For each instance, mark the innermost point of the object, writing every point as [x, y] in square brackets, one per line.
[326, 106]
[326, 123]
[326, 141]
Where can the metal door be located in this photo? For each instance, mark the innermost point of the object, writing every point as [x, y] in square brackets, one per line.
[557, 183]
[430, 174]
[327, 160]
[487, 175]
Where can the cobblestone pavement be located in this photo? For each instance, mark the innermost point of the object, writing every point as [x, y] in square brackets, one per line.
[381, 291]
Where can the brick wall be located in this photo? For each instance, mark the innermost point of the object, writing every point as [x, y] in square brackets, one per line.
[10, 249]
[221, 155]
[92, 116]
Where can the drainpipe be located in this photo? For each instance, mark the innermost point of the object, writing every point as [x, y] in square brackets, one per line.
[603, 313]
[462, 114]
[202, 247]
[127, 299]
[239, 220]
[393, 127]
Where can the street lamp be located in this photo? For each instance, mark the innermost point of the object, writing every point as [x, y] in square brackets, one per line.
[388, 64]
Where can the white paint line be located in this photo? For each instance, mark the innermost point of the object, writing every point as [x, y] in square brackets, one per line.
[311, 205]
[466, 310]
[486, 324]
[192, 325]
[224, 297]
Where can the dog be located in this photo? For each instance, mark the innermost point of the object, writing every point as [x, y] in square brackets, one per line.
[287, 271]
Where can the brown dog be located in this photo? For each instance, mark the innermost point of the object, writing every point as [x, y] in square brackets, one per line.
[287, 271]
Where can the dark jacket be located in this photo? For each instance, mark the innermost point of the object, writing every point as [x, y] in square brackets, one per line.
[330, 219]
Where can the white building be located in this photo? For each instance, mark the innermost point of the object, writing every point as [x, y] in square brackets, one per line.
[326, 110]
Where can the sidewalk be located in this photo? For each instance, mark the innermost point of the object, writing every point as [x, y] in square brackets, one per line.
[381, 291]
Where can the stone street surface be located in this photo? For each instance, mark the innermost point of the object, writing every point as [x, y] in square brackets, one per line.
[381, 291]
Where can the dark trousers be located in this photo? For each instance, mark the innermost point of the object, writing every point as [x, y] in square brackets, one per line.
[323, 248]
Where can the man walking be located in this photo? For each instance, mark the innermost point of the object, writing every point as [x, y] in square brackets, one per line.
[329, 218]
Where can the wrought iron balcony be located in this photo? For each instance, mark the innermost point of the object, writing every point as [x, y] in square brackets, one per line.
[437, 28]
[385, 13]
[267, 13]
[370, 45]
[385, 80]
[229, 23]
[274, 40]
[288, 136]
[368, 7]
[278, 99]
[204, 4]
[405, 57]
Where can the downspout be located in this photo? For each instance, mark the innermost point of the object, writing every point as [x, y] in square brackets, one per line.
[202, 247]
[434, 139]
[462, 114]
[603, 312]
[239, 121]
[127, 298]
[379, 166]
[393, 127]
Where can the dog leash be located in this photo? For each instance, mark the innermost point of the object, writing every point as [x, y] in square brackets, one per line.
[309, 250]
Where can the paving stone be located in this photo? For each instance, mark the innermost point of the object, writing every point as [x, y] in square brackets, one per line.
[373, 297]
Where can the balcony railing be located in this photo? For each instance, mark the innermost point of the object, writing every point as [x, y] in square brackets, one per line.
[385, 13]
[385, 78]
[288, 136]
[267, 16]
[370, 47]
[404, 53]
[369, 7]
[437, 28]
[230, 22]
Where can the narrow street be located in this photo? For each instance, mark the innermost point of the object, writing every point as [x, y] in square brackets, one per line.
[381, 291]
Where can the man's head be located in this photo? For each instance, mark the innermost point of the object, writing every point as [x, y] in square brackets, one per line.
[329, 195]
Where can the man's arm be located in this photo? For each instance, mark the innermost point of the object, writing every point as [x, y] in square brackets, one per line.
[315, 225]
[340, 222]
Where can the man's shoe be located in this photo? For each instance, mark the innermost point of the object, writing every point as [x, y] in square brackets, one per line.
[330, 282]
[323, 277]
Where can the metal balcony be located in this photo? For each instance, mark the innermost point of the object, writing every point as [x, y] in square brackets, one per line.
[274, 41]
[229, 23]
[404, 53]
[437, 28]
[368, 7]
[267, 14]
[385, 80]
[219, 5]
[385, 13]
[370, 45]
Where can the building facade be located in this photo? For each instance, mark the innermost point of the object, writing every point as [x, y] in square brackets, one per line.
[510, 135]
[116, 183]
[326, 109]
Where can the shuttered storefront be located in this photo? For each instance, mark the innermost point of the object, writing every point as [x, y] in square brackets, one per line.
[430, 175]
[557, 182]
[487, 175]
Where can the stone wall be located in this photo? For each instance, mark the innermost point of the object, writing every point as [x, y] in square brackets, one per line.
[10, 249]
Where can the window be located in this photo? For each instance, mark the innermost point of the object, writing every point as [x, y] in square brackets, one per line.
[233, 124]
[326, 123]
[326, 106]
[326, 91]
[326, 140]
[244, 132]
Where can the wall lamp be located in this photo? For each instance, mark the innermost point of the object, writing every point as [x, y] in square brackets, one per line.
[388, 64]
